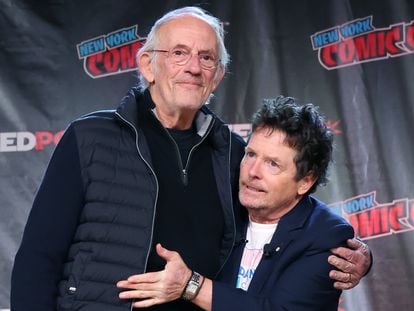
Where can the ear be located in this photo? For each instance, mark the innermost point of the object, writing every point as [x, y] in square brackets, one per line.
[306, 183]
[144, 62]
[219, 75]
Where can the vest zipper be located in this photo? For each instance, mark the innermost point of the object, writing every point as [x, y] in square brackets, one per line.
[156, 195]
[184, 170]
[180, 161]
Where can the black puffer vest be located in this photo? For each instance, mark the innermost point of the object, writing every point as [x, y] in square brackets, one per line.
[114, 234]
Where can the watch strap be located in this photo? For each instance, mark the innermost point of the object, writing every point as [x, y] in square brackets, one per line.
[193, 286]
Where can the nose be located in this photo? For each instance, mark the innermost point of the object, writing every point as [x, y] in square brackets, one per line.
[254, 169]
[193, 64]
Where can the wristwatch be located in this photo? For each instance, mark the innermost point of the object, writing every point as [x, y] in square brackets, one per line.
[193, 286]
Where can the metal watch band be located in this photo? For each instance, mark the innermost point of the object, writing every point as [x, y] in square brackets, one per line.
[193, 286]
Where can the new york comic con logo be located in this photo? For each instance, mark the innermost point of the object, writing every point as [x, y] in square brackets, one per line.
[111, 54]
[358, 41]
[371, 219]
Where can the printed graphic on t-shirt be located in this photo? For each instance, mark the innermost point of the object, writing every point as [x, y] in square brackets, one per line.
[248, 265]
[257, 236]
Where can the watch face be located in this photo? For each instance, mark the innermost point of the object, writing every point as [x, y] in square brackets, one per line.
[192, 287]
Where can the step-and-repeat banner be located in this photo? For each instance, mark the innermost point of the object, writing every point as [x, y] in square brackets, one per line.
[60, 59]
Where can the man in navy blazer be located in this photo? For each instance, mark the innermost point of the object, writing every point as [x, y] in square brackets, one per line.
[281, 259]
[293, 272]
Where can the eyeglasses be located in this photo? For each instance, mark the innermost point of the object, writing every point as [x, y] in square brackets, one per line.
[181, 56]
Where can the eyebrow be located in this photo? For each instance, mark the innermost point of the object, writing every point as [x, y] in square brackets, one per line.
[266, 157]
[183, 46]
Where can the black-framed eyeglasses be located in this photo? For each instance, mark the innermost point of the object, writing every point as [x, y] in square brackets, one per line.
[181, 56]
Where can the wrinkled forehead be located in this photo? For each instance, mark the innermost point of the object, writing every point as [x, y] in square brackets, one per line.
[189, 31]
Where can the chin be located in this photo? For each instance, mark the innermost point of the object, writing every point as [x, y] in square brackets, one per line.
[191, 95]
[249, 203]
[192, 103]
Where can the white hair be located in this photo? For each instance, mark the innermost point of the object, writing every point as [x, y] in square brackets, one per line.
[153, 36]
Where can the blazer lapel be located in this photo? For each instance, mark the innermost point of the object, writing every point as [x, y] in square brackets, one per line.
[278, 252]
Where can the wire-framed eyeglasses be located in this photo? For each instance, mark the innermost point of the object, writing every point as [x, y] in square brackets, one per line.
[181, 56]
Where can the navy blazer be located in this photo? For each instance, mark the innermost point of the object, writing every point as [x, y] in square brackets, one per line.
[294, 271]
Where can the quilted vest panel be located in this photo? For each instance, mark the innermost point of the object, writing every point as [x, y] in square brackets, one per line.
[115, 227]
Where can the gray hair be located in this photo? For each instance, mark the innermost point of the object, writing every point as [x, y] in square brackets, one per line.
[215, 24]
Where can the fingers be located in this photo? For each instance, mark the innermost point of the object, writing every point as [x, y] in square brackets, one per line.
[157, 287]
[357, 255]
[360, 247]
[138, 286]
[148, 294]
[161, 251]
[347, 277]
[352, 261]
[344, 253]
[137, 294]
[341, 264]
[165, 253]
[141, 281]
[355, 246]
[146, 303]
[146, 298]
[354, 243]
[343, 280]
[125, 284]
[343, 286]
[149, 277]
[340, 276]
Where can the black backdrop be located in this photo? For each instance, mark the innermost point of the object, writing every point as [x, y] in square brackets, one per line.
[352, 58]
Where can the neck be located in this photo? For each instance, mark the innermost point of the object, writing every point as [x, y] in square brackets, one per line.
[173, 116]
[261, 219]
[177, 120]
[262, 215]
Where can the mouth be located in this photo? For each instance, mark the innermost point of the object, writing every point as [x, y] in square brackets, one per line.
[253, 188]
[190, 83]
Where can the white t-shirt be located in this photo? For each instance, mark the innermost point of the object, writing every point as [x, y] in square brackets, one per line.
[257, 236]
